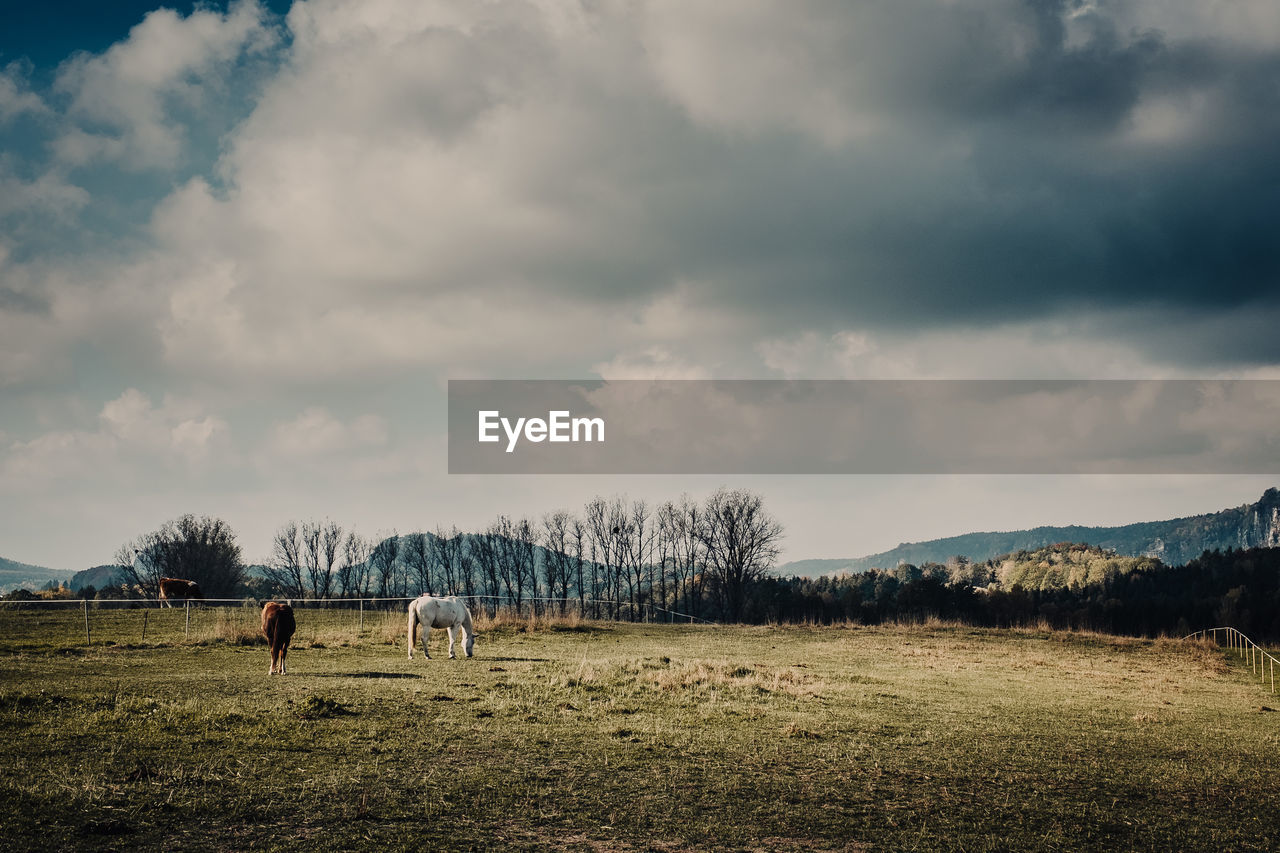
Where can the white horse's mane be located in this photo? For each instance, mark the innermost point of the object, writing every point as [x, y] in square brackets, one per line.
[450, 613]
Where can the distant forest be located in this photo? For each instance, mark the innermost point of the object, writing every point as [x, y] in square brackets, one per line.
[1142, 597]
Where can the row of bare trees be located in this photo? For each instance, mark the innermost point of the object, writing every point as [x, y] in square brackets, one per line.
[620, 559]
[320, 560]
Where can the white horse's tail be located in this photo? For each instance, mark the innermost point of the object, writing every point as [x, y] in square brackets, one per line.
[413, 626]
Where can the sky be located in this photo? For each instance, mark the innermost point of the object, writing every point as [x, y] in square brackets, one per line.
[244, 246]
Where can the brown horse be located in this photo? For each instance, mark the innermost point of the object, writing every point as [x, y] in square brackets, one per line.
[179, 589]
[278, 626]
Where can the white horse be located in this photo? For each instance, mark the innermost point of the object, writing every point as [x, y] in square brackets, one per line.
[448, 613]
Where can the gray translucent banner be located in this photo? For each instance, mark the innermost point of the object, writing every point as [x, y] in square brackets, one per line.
[864, 427]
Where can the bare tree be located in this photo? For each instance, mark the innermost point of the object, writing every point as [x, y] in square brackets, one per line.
[579, 535]
[196, 548]
[606, 526]
[285, 567]
[353, 572]
[680, 551]
[525, 551]
[418, 557]
[484, 551]
[330, 543]
[690, 556]
[467, 571]
[741, 541]
[599, 541]
[311, 556]
[620, 534]
[382, 564]
[556, 560]
[665, 543]
[636, 551]
[514, 548]
[448, 557]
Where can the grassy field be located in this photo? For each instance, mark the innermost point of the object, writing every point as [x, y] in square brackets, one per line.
[613, 737]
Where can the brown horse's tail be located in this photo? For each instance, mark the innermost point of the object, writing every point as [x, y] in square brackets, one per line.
[286, 625]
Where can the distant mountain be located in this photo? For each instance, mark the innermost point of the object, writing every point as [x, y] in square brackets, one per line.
[14, 575]
[1174, 542]
[99, 577]
[818, 568]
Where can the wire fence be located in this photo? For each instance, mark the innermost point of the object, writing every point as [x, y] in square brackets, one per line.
[133, 619]
[1261, 662]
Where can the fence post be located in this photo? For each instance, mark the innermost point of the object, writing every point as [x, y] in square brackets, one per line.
[145, 615]
[187, 631]
[361, 629]
[88, 637]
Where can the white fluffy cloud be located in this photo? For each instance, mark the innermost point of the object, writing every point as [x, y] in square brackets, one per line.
[316, 431]
[16, 97]
[134, 89]
[130, 430]
[47, 194]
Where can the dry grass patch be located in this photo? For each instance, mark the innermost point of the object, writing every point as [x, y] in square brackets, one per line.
[711, 675]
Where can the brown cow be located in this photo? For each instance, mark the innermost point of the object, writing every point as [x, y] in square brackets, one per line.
[177, 588]
[278, 625]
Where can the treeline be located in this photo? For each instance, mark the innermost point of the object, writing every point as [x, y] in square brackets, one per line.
[617, 559]
[1240, 588]
[709, 559]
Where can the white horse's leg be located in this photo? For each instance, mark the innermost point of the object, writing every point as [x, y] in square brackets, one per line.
[451, 629]
[468, 632]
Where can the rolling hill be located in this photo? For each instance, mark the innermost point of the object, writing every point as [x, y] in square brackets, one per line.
[1174, 541]
[14, 575]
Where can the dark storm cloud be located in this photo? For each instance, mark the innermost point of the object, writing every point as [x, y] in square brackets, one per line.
[1024, 171]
